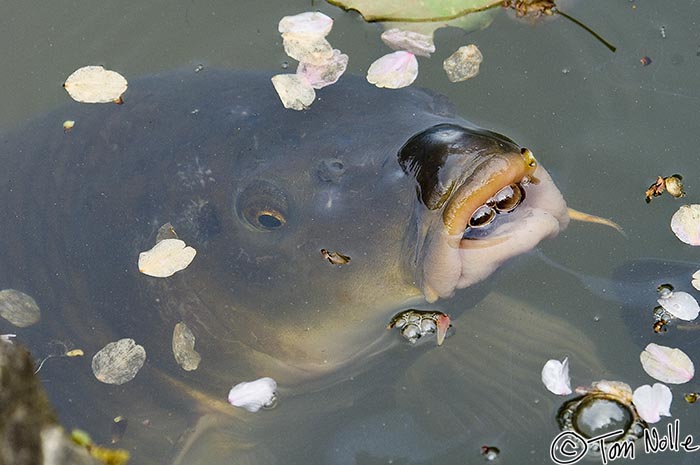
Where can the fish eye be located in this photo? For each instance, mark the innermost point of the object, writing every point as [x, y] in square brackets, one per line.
[263, 206]
[508, 198]
[482, 217]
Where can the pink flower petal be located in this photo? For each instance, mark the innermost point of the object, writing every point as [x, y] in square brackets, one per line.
[652, 402]
[414, 42]
[393, 71]
[667, 364]
[555, 376]
[320, 76]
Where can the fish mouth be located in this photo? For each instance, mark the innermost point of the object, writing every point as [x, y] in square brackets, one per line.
[504, 207]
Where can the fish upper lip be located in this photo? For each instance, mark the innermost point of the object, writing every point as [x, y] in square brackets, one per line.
[496, 173]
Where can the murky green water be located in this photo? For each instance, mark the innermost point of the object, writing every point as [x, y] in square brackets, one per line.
[604, 125]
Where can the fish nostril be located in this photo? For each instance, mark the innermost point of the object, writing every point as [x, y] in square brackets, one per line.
[330, 170]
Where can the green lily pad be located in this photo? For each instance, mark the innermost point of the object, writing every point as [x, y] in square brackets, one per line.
[425, 16]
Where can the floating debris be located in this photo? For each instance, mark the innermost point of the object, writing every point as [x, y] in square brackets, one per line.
[691, 397]
[320, 76]
[393, 71]
[183, 348]
[667, 364]
[7, 338]
[94, 84]
[18, 308]
[618, 389]
[415, 324]
[660, 325]
[463, 64]
[118, 428]
[490, 453]
[198, 68]
[555, 376]
[414, 42]
[671, 184]
[118, 362]
[336, 258]
[68, 125]
[645, 61]
[294, 91]
[166, 232]
[311, 22]
[254, 395]
[652, 402]
[685, 224]
[75, 353]
[166, 258]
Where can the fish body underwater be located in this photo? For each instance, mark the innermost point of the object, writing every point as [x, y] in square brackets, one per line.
[422, 201]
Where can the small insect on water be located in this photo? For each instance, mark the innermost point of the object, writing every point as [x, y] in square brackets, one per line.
[336, 258]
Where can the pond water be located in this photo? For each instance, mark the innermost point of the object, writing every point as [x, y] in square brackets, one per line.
[602, 123]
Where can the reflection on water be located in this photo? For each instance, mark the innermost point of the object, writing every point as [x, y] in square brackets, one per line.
[604, 125]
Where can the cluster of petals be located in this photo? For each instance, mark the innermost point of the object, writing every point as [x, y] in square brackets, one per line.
[650, 402]
[304, 39]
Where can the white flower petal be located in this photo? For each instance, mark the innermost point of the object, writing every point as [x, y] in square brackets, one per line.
[294, 91]
[681, 305]
[7, 338]
[414, 42]
[311, 22]
[667, 364]
[253, 395]
[685, 224]
[94, 84]
[652, 402]
[696, 280]
[555, 376]
[166, 258]
[307, 48]
[393, 71]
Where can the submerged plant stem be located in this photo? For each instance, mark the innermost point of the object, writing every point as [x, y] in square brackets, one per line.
[610, 46]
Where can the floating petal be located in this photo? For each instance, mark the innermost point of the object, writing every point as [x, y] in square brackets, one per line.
[555, 376]
[327, 73]
[7, 338]
[94, 84]
[443, 324]
[685, 224]
[311, 22]
[307, 48]
[253, 395]
[166, 258]
[414, 42]
[18, 308]
[696, 280]
[393, 71]
[667, 364]
[183, 348]
[118, 362]
[681, 305]
[652, 402]
[463, 64]
[295, 91]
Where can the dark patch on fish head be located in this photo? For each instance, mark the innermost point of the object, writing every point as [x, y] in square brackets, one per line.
[482, 199]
